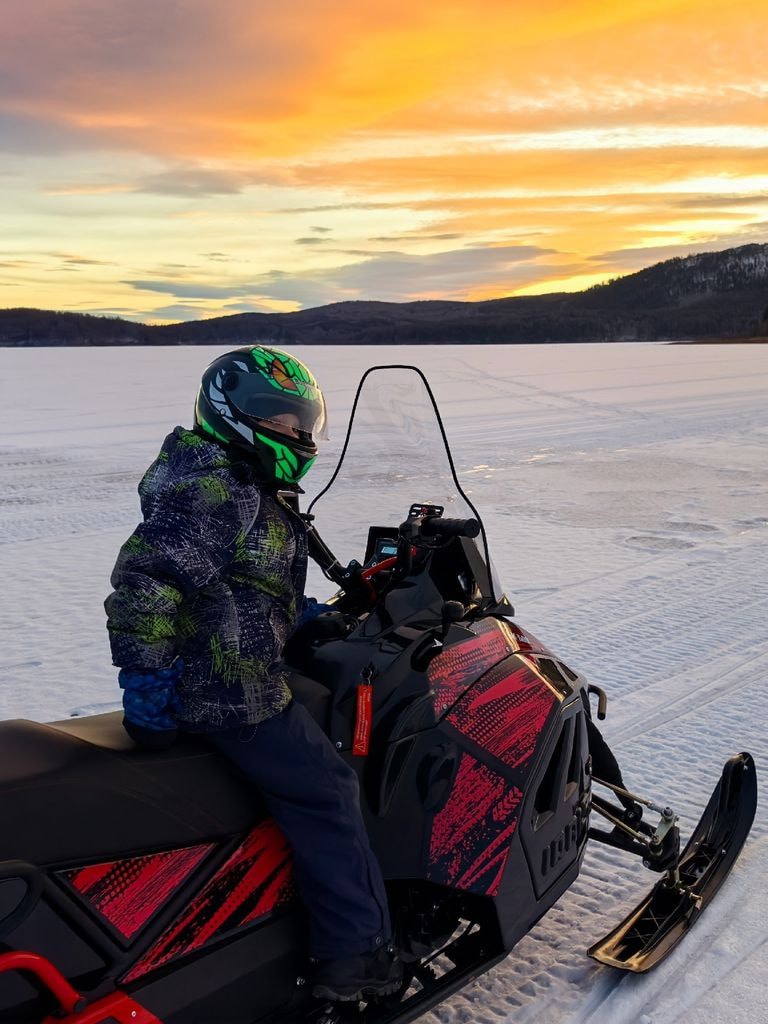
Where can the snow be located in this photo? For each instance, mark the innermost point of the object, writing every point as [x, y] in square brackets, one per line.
[625, 493]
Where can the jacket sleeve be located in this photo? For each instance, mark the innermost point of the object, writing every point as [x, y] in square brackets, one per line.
[187, 539]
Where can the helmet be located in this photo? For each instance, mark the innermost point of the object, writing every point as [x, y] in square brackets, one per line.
[249, 397]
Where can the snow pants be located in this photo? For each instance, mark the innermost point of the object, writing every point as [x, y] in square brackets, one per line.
[313, 796]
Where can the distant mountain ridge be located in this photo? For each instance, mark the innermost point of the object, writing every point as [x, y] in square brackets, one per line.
[705, 295]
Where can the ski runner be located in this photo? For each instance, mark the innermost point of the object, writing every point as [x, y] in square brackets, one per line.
[206, 591]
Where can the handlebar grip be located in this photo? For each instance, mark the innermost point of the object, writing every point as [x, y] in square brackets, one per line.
[438, 527]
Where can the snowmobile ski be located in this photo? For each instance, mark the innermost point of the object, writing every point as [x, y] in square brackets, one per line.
[653, 929]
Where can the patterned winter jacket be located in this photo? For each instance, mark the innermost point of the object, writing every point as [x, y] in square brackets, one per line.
[215, 573]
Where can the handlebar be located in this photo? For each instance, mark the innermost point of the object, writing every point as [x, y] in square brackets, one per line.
[438, 527]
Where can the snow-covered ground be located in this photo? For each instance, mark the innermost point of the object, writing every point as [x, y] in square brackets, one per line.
[625, 492]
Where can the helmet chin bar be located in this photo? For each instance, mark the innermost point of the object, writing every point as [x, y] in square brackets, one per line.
[302, 445]
[297, 433]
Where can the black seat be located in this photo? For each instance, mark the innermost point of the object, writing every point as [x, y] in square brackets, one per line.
[81, 789]
[105, 731]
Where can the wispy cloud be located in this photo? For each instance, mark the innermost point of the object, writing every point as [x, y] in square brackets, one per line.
[718, 202]
[390, 276]
[181, 289]
[443, 236]
[32, 135]
[635, 259]
[90, 189]
[188, 181]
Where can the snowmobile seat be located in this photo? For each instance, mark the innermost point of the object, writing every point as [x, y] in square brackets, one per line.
[104, 731]
[95, 795]
[99, 795]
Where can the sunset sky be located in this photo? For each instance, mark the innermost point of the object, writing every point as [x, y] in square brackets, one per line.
[180, 159]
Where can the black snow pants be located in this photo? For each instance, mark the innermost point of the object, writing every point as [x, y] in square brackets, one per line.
[313, 796]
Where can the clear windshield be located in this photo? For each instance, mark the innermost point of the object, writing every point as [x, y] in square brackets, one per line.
[395, 455]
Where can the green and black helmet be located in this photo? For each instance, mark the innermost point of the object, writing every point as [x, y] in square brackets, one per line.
[267, 404]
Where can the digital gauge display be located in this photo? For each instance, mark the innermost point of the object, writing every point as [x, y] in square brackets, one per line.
[385, 548]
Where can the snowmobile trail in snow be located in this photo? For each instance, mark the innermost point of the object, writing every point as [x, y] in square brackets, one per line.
[624, 489]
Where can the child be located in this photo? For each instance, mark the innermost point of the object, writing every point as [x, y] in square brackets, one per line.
[206, 592]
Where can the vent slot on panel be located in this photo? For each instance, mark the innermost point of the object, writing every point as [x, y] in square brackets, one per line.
[552, 790]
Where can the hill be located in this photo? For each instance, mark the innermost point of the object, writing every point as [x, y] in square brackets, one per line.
[708, 295]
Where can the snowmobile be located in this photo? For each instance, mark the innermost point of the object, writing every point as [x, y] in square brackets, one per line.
[141, 887]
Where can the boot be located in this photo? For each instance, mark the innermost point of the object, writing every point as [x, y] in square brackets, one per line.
[353, 978]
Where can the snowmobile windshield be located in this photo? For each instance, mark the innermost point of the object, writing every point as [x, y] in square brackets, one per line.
[396, 454]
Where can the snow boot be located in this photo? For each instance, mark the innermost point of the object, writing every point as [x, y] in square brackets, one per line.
[353, 978]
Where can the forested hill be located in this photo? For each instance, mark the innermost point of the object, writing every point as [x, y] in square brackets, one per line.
[709, 295]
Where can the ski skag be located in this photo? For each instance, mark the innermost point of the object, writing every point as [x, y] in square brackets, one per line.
[652, 930]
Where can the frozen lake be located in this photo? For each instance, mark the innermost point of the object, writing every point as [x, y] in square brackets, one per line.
[625, 493]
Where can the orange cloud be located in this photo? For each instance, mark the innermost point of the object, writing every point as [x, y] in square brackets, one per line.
[537, 173]
[253, 81]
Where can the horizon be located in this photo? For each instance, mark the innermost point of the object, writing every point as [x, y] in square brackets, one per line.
[367, 301]
[175, 164]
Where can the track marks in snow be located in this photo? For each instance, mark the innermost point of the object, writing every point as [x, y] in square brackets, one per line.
[624, 493]
[751, 671]
[57, 495]
[16, 665]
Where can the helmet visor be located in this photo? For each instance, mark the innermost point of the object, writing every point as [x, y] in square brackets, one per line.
[256, 398]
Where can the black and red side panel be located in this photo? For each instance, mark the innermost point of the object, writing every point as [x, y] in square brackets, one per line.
[253, 882]
[128, 893]
[504, 717]
[506, 712]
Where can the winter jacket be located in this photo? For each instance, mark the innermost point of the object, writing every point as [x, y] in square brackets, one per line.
[215, 573]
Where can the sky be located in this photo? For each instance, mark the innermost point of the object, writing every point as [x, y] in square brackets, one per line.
[170, 160]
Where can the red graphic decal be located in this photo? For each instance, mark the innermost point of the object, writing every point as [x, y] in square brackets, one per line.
[471, 835]
[257, 878]
[506, 712]
[127, 893]
[521, 640]
[451, 672]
